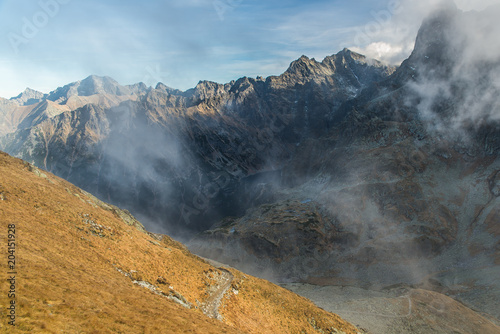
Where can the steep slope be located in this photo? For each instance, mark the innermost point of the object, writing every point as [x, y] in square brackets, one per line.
[387, 216]
[84, 266]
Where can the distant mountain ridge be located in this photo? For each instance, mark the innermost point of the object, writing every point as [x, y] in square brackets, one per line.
[32, 107]
[95, 85]
[92, 85]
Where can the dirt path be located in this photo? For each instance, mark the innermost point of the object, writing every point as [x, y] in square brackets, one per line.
[211, 306]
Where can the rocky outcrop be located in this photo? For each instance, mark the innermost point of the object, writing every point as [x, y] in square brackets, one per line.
[28, 97]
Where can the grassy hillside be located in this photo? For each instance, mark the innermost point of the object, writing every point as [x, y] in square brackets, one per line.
[83, 266]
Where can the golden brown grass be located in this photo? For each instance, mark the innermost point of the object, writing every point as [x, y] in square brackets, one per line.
[71, 246]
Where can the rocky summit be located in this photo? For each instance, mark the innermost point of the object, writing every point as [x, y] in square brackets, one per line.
[344, 172]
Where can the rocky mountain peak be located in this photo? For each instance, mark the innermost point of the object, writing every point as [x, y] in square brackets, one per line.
[435, 51]
[93, 85]
[351, 57]
[345, 65]
[207, 89]
[304, 67]
[100, 85]
[162, 87]
[28, 97]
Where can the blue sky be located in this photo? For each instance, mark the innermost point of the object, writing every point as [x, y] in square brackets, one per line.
[48, 43]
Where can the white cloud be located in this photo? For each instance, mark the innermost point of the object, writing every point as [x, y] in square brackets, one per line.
[472, 84]
[390, 35]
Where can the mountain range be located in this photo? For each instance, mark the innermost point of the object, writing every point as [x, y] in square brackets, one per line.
[184, 136]
[344, 172]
